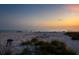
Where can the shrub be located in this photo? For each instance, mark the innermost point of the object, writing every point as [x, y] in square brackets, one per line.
[49, 48]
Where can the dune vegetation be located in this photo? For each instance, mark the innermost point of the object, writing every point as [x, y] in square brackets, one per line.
[46, 48]
[40, 47]
[74, 35]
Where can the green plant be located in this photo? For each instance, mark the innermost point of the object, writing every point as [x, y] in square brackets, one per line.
[49, 48]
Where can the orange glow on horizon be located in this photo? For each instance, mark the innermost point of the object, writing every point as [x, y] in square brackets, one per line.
[71, 23]
[48, 23]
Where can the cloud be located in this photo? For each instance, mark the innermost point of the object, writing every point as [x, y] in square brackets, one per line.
[73, 7]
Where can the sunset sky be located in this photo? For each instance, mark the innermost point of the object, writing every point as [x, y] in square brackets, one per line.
[39, 17]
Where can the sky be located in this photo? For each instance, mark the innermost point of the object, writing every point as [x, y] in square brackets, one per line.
[39, 17]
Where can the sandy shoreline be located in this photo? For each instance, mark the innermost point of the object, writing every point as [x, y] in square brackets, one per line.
[19, 37]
